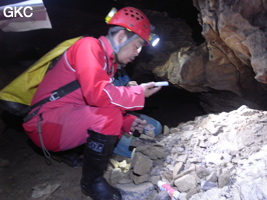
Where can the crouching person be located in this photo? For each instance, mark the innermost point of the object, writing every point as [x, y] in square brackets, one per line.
[94, 114]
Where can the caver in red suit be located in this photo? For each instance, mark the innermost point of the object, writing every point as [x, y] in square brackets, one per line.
[97, 105]
[94, 114]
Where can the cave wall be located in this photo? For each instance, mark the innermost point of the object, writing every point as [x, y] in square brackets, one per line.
[229, 68]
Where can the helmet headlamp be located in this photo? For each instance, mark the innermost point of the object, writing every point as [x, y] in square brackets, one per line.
[111, 13]
[154, 39]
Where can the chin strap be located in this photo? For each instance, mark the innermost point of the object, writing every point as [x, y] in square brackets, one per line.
[116, 48]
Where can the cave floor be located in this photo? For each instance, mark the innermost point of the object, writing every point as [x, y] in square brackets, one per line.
[25, 173]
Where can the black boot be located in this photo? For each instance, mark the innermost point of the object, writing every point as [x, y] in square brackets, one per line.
[98, 150]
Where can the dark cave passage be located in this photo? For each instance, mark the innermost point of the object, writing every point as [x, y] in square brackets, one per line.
[172, 106]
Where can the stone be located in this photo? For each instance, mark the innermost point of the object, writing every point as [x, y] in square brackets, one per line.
[153, 151]
[166, 130]
[182, 158]
[133, 192]
[224, 179]
[177, 168]
[142, 164]
[116, 175]
[202, 172]
[114, 163]
[207, 185]
[191, 192]
[140, 179]
[124, 166]
[212, 177]
[185, 183]
[154, 179]
[43, 190]
[190, 170]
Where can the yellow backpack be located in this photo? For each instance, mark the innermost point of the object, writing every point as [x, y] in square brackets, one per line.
[16, 97]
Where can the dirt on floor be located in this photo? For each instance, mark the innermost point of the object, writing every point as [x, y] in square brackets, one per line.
[25, 174]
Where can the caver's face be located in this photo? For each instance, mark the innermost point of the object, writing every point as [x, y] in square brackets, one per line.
[128, 52]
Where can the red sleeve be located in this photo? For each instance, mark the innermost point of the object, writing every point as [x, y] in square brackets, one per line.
[127, 122]
[87, 58]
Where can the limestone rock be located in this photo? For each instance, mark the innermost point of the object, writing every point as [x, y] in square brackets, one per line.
[153, 151]
[133, 192]
[186, 182]
[116, 176]
[142, 164]
[177, 168]
[224, 179]
[140, 179]
[228, 69]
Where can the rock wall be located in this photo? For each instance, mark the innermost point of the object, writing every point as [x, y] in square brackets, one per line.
[233, 59]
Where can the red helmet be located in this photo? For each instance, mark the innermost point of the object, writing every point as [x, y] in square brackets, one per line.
[134, 20]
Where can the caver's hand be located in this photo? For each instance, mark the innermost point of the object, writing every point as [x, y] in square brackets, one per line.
[138, 125]
[149, 88]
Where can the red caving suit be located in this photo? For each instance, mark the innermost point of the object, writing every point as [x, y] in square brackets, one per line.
[97, 105]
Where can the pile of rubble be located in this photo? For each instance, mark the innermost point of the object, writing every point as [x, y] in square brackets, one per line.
[216, 156]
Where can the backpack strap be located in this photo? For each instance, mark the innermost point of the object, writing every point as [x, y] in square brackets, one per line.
[56, 94]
